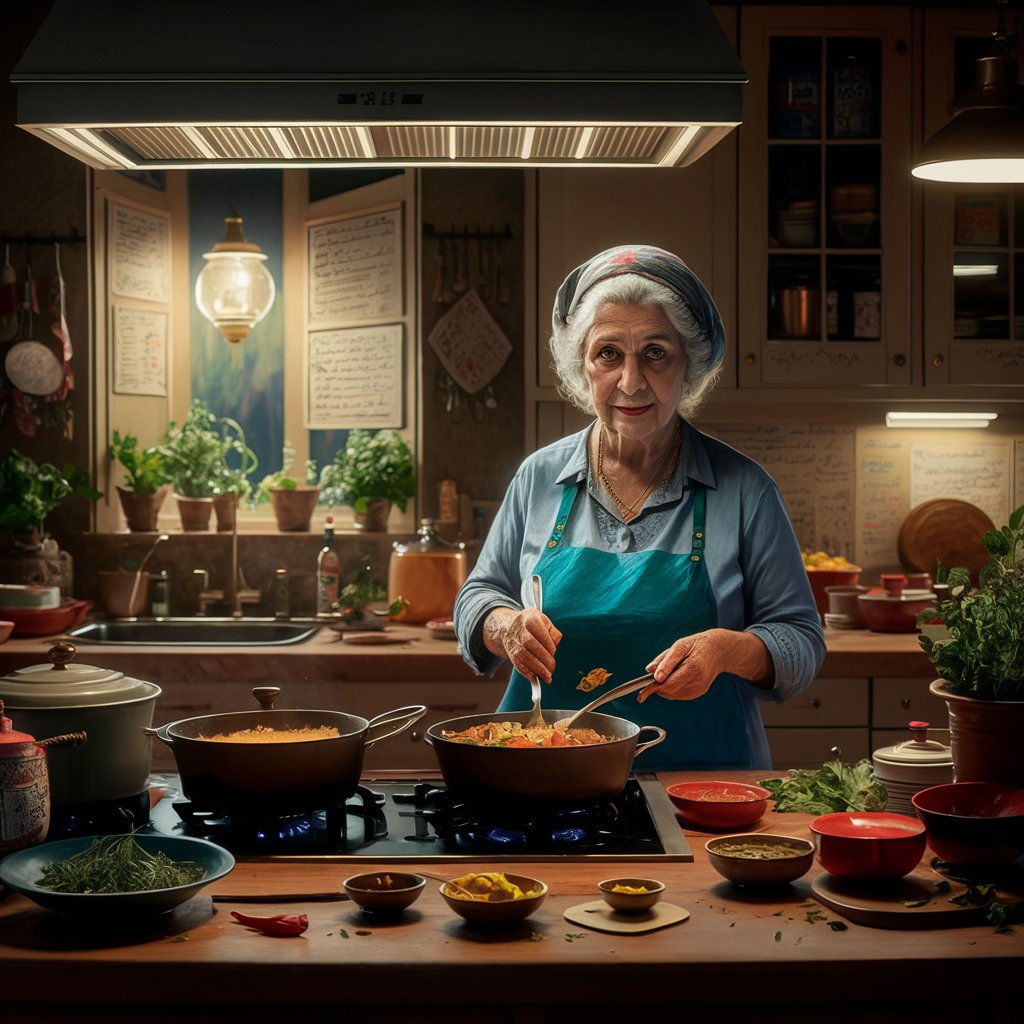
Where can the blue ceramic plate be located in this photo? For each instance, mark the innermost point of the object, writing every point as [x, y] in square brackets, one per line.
[21, 871]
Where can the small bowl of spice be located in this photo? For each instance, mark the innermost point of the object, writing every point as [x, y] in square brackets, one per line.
[760, 859]
[631, 895]
[384, 892]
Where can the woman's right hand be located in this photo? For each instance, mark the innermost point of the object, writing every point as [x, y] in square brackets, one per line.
[528, 638]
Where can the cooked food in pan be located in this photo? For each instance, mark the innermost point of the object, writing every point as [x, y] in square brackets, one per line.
[593, 679]
[267, 734]
[516, 734]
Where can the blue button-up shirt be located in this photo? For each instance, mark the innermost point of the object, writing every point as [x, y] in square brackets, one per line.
[751, 554]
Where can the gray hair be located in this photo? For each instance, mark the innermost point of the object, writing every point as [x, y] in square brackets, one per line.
[568, 342]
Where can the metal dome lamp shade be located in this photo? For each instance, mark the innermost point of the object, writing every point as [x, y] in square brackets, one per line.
[984, 142]
[234, 289]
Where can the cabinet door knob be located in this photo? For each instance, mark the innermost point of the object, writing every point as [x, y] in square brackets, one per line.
[415, 736]
[899, 359]
[937, 360]
[905, 703]
[836, 751]
[750, 359]
[816, 703]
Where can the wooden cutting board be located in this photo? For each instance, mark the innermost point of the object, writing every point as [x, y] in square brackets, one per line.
[599, 916]
[944, 530]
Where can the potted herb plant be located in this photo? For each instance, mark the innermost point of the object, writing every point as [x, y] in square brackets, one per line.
[293, 503]
[979, 655]
[374, 472]
[146, 482]
[29, 492]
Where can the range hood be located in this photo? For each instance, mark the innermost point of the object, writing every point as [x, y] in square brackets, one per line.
[123, 84]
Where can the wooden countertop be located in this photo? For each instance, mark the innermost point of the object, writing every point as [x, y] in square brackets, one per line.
[739, 952]
[423, 658]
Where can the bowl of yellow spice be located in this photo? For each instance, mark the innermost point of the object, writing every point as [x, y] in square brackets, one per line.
[631, 895]
[494, 898]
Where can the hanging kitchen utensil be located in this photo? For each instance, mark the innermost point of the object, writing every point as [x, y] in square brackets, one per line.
[437, 292]
[58, 410]
[501, 288]
[10, 321]
[29, 364]
[449, 291]
[459, 284]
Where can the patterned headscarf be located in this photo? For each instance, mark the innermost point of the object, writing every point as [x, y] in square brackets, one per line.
[653, 263]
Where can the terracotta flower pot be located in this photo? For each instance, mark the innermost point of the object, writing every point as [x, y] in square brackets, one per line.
[375, 518]
[225, 507]
[141, 510]
[195, 513]
[985, 737]
[293, 508]
[124, 595]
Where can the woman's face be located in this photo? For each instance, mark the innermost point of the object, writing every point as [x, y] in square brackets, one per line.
[636, 366]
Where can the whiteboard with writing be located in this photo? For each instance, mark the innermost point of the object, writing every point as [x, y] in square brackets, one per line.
[140, 351]
[813, 467]
[354, 377]
[139, 252]
[355, 269]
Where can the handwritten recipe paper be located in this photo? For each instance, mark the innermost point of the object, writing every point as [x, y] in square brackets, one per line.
[355, 269]
[355, 378]
[140, 351]
[978, 472]
[140, 256]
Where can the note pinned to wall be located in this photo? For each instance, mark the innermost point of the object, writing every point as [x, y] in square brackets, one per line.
[974, 471]
[1018, 473]
[469, 343]
[354, 378]
[140, 254]
[882, 498]
[355, 269]
[813, 467]
[140, 351]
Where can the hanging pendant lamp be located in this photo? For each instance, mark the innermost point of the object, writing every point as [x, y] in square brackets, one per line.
[234, 289]
[984, 142]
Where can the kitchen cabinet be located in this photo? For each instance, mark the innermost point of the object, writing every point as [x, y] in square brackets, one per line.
[824, 197]
[828, 720]
[895, 702]
[409, 750]
[973, 263]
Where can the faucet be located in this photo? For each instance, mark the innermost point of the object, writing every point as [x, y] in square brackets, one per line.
[138, 571]
[236, 593]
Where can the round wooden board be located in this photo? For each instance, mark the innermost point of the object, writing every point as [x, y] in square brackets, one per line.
[943, 530]
[883, 904]
[599, 916]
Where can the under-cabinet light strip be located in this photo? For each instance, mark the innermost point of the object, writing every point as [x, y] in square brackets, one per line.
[939, 419]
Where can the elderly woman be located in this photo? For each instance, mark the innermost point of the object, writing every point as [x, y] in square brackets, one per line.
[661, 549]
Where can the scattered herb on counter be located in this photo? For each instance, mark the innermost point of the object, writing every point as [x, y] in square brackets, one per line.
[181, 938]
[778, 936]
[975, 895]
[815, 915]
[837, 926]
[1003, 915]
[118, 864]
[923, 902]
[834, 786]
[573, 936]
[537, 936]
[278, 924]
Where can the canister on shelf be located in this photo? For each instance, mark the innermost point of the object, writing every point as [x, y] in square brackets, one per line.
[426, 574]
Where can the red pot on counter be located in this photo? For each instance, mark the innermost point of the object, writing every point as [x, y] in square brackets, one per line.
[885, 613]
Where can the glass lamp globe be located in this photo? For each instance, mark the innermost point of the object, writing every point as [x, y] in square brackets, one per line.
[234, 289]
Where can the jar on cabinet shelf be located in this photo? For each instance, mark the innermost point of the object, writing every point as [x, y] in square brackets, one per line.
[426, 575]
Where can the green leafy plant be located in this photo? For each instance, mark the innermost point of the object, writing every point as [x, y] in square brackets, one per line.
[365, 589]
[834, 786]
[371, 466]
[980, 652]
[197, 454]
[145, 468]
[283, 479]
[30, 491]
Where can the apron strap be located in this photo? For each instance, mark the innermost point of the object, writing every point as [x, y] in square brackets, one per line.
[569, 492]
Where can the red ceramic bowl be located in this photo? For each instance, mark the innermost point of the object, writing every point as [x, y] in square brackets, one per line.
[6, 628]
[868, 844]
[822, 578]
[973, 822]
[48, 621]
[719, 804]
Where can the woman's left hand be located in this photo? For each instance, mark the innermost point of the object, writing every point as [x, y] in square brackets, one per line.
[687, 669]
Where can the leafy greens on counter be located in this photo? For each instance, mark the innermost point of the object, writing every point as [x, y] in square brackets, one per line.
[834, 786]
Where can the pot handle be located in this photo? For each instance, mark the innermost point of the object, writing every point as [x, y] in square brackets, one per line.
[660, 734]
[162, 733]
[394, 722]
[67, 739]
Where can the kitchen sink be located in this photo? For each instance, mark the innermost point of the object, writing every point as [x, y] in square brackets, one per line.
[196, 632]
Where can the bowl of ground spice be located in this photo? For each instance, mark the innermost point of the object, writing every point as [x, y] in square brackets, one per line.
[760, 858]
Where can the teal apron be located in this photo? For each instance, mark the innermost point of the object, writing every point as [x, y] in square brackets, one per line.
[616, 611]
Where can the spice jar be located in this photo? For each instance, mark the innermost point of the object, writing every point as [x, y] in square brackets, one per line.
[426, 574]
[915, 764]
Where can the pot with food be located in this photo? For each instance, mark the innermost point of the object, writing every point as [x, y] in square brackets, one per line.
[276, 761]
[484, 757]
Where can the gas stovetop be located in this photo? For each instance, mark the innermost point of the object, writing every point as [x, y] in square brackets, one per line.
[418, 820]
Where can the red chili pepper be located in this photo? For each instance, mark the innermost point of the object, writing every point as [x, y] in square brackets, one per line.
[279, 924]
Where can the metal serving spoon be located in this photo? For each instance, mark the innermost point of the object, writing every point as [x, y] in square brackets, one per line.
[618, 691]
[536, 717]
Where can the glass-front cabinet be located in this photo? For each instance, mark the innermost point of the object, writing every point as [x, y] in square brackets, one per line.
[824, 198]
[974, 234]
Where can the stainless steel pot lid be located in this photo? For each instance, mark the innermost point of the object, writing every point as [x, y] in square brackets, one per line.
[63, 685]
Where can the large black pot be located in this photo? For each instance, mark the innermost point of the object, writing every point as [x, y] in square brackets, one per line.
[544, 774]
[276, 778]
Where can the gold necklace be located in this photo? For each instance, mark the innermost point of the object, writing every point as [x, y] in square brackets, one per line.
[630, 511]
